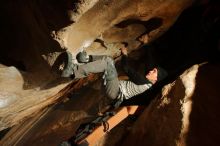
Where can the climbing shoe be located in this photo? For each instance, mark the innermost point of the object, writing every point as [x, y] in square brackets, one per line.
[82, 57]
[64, 65]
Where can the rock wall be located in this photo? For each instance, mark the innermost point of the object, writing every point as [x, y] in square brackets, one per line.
[104, 16]
[186, 114]
[34, 32]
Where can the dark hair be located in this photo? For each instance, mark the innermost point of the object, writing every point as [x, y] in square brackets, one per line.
[162, 74]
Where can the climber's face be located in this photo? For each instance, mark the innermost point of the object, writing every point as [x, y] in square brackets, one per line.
[152, 75]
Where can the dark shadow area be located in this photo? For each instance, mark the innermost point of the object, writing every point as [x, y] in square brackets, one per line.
[193, 39]
[20, 25]
[101, 42]
[204, 119]
[26, 35]
[56, 12]
[10, 62]
[4, 132]
[150, 25]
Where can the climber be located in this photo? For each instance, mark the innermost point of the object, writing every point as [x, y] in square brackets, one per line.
[116, 90]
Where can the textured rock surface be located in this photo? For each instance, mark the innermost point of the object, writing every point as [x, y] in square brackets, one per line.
[35, 32]
[58, 123]
[186, 114]
[16, 102]
[105, 15]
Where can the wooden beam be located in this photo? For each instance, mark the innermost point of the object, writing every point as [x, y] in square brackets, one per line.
[100, 131]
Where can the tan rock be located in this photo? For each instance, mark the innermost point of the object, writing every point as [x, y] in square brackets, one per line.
[186, 114]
